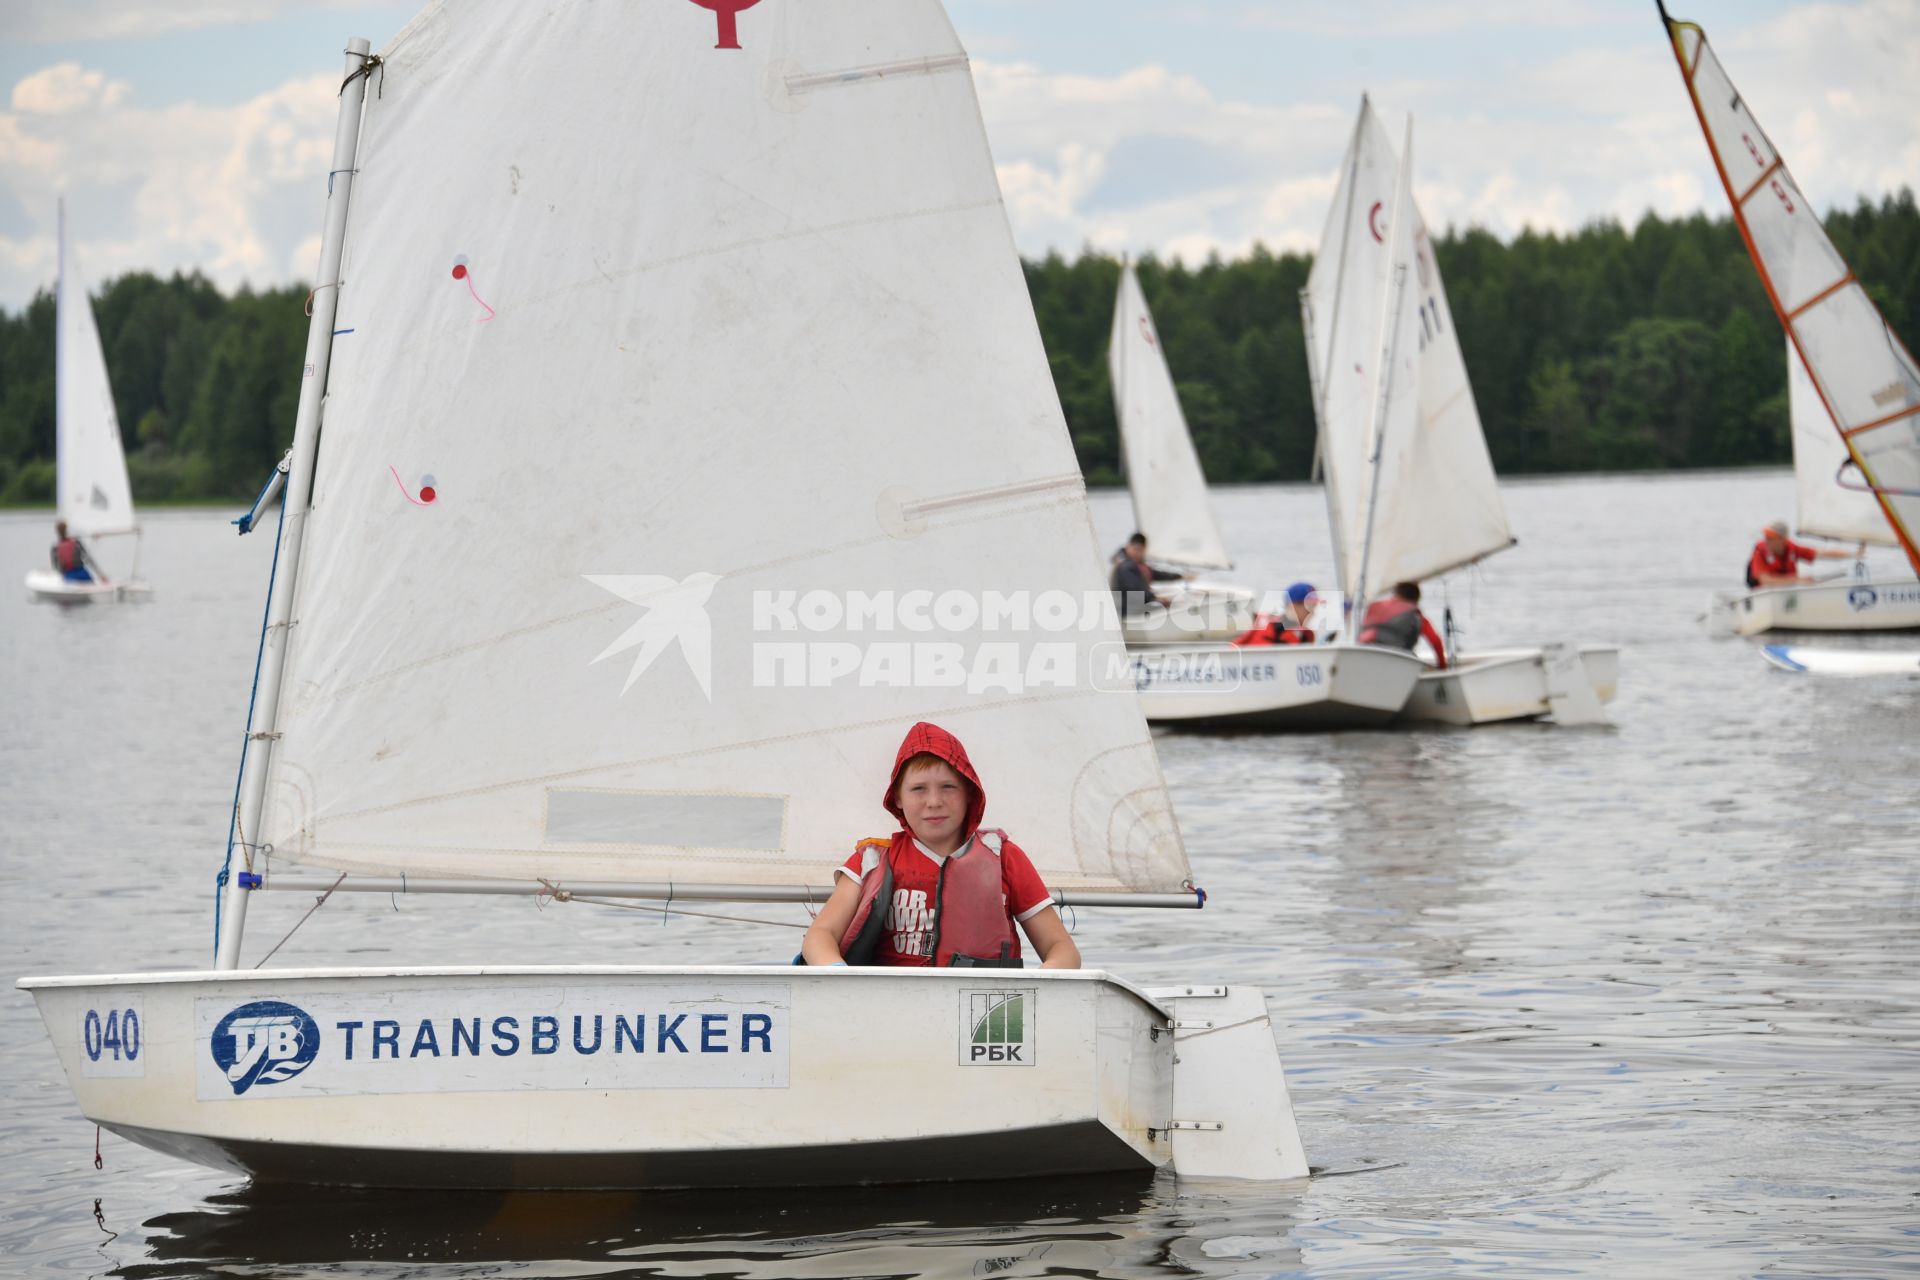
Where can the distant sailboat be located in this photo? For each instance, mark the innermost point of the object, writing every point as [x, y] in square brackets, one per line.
[568, 420]
[1846, 367]
[90, 486]
[1168, 488]
[1301, 686]
[1411, 491]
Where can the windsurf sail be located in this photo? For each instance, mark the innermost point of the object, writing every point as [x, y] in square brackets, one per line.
[1862, 374]
[1827, 505]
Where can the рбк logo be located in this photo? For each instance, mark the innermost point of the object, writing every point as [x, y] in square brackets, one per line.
[264, 1043]
[997, 1027]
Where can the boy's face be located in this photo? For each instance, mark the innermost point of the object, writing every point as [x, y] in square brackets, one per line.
[934, 800]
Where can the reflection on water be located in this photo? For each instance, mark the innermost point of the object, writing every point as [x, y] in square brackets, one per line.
[1636, 999]
[1110, 1227]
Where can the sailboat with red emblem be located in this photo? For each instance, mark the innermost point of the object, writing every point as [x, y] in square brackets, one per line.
[726, 380]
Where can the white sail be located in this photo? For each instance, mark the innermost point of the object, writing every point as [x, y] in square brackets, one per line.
[1860, 370]
[1341, 305]
[761, 356]
[91, 466]
[1437, 503]
[1826, 509]
[1169, 490]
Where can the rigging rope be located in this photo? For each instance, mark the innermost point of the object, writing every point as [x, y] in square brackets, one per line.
[318, 903]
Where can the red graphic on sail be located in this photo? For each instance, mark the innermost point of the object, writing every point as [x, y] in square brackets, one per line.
[724, 12]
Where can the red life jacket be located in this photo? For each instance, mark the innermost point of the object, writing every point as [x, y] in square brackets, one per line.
[971, 927]
[1392, 621]
[1271, 629]
[1784, 565]
[66, 554]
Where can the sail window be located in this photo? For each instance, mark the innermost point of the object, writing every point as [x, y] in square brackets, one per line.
[699, 821]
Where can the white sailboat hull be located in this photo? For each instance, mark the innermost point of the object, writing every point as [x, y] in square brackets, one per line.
[1308, 687]
[1840, 604]
[639, 1077]
[1504, 684]
[46, 585]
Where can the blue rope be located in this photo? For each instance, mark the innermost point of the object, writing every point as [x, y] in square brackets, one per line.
[259, 658]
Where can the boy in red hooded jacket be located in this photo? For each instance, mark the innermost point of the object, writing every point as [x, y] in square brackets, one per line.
[943, 890]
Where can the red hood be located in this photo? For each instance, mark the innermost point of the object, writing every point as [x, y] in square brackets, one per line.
[933, 740]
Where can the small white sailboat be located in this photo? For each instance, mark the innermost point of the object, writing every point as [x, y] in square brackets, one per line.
[1167, 486]
[1826, 506]
[512, 332]
[1853, 382]
[90, 487]
[1411, 491]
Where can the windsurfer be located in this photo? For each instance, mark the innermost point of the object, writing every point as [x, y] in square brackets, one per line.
[1398, 623]
[943, 890]
[1289, 626]
[70, 556]
[1775, 561]
[1132, 578]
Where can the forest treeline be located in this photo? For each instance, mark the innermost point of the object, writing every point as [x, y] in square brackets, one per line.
[1606, 349]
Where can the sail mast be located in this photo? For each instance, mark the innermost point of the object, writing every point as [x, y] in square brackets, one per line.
[262, 731]
[1866, 379]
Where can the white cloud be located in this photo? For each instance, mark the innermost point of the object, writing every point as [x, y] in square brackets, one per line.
[1148, 160]
[1402, 17]
[232, 191]
[67, 86]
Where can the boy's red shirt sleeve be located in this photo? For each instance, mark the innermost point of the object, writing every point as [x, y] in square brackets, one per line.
[1026, 893]
[1433, 638]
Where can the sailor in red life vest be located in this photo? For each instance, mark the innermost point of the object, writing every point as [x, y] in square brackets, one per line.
[943, 890]
[69, 556]
[1775, 561]
[1397, 622]
[1289, 626]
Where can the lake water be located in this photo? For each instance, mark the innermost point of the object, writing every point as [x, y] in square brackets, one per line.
[1628, 1000]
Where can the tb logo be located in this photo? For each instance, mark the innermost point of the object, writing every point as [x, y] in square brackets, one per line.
[264, 1043]
[724, 12]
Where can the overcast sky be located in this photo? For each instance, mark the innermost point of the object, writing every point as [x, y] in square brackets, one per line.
[192, 133]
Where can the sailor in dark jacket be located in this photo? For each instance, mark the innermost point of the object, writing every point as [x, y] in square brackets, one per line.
[1132, 578]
